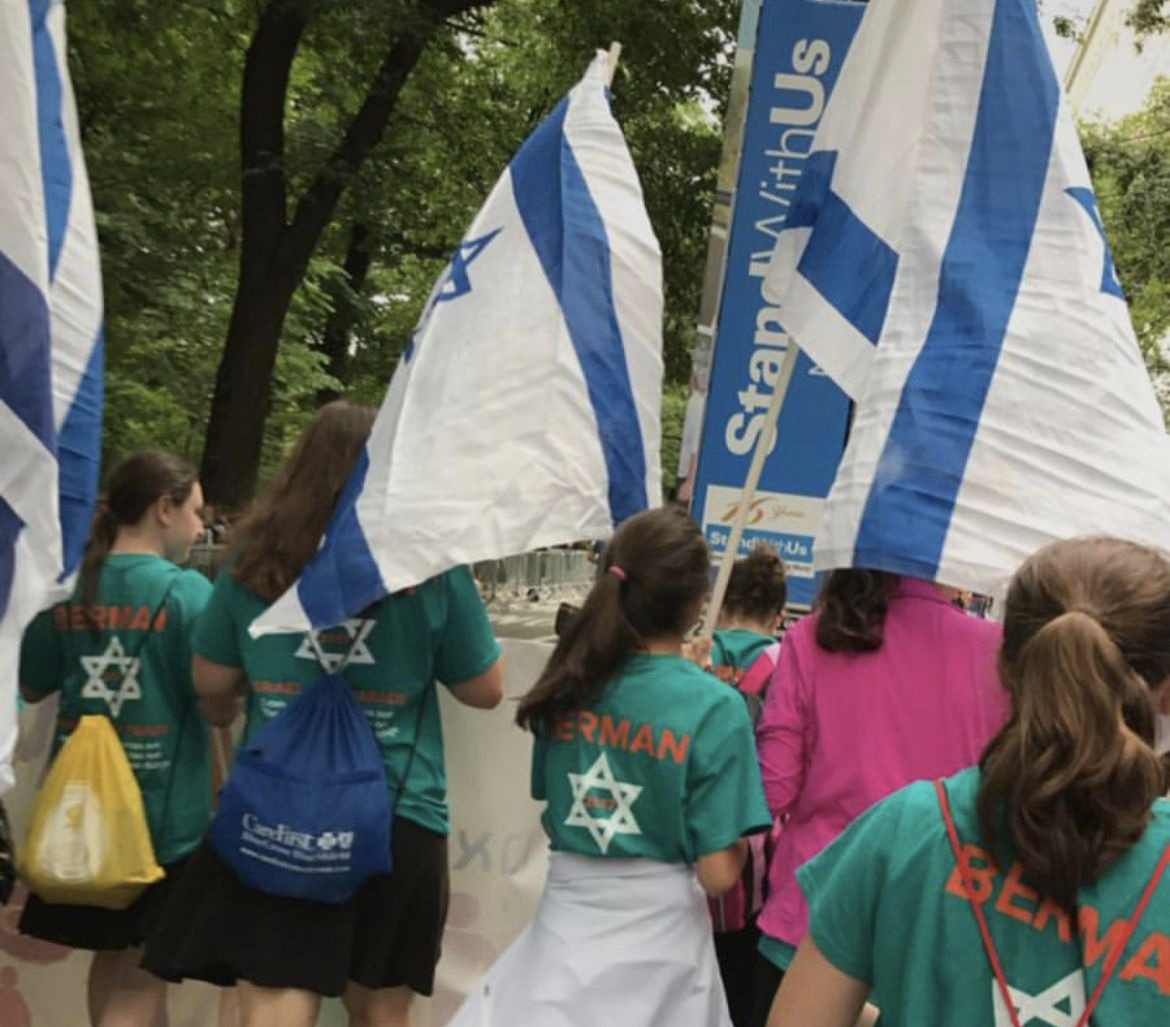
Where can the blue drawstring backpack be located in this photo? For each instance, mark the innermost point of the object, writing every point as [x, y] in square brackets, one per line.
[306, 811]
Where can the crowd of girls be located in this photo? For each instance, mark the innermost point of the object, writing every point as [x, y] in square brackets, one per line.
[897, 809]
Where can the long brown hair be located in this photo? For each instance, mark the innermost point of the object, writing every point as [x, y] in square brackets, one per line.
[653, 576]
[851, 610]
[132, 488]
[1071, 777]
[758, 587]
[275, 539]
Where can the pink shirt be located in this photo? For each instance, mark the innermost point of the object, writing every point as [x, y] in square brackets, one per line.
[840, 731]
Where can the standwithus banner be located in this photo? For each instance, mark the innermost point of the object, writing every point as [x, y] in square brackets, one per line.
[799, 47]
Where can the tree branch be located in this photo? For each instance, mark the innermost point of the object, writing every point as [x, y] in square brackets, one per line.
[366, 130]
[263, 186]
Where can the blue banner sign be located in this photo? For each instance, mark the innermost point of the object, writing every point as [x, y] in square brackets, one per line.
[800, 47]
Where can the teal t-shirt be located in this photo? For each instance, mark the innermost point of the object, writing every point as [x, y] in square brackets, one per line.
[737, 649]
[663, 766]
[147, 692]
[886, 906]
[439, 630]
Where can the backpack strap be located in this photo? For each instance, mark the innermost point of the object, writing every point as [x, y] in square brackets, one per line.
[150, 630]
[1115, 952]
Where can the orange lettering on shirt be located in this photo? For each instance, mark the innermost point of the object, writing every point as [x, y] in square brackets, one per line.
[1013, 888]
[61, 618]
[118, 617]
[643, 740]
[616, 736]
[77, 619]
[677, 747]
[1050, 910]
[1089, 923]
[160, 622]
[564, 730]
[982, 877]
[1156, 947]
[97, 615]
[276, 687]
[141, 619]
[587, 724]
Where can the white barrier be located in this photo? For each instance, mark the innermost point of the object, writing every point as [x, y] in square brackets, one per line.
[497, 854]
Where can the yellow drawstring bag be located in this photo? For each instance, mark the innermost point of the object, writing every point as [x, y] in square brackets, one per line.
[88, 841]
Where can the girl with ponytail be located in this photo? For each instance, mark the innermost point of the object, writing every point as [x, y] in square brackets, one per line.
[121, 647]
[1034, 888]
[646, 766]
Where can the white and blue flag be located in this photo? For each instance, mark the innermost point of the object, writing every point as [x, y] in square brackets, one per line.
[943, 259]
[525, 409]
[50, 333]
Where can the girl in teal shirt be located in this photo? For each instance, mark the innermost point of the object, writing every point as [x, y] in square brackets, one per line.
[646, 766]
[121, 646]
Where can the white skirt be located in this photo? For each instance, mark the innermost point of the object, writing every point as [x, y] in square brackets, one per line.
[614, 943]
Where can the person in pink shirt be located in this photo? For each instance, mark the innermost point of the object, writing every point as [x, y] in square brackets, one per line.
[885, 684]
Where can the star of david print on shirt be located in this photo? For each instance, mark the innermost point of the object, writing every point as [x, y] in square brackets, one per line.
[356, 632]
[599, 778]
[98, 676]
[1059, 1005]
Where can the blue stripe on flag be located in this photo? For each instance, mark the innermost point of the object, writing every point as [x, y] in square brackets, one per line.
[908, 511]
[25, 370]
[10, 528]
[568, 235]
[78, 456]
[56, 169]
[851, 266]
[342, 579]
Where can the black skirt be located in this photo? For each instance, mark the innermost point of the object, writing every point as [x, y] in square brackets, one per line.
[100, 930]
[216, 929]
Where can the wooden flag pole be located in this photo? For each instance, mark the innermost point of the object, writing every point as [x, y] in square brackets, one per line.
[763, 447]
[615, 53]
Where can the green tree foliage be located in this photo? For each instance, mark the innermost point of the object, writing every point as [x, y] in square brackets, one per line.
[1130, 164]
[159, 88]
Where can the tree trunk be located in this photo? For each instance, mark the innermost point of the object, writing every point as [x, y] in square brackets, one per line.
[275, 250]
[345, 295]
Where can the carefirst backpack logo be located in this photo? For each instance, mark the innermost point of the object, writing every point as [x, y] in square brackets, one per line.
[297, 850]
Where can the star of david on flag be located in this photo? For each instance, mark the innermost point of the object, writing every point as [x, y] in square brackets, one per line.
[50, 334]
[525, 412]
[944, 261]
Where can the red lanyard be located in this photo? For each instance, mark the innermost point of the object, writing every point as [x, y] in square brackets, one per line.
[1115, 952]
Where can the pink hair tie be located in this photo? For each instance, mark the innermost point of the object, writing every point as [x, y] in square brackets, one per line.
[617, 572]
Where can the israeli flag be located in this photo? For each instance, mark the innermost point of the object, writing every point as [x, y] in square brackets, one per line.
[50, 334]
[944, 261]
[525, 409]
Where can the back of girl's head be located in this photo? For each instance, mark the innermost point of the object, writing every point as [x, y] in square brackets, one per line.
[652, 579]
[1071, 777]
[132, 488]
[851, 610]
[757, 589]
[277, 537]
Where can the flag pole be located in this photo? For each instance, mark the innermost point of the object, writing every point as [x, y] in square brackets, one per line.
[615, 53]
[763, 447]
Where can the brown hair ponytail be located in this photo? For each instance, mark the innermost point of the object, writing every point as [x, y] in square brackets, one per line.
[851, 610]
[133, 487]
[652, 579]
[1071, 777]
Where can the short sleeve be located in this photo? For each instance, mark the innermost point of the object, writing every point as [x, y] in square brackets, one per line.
[725, 799]
[41, 659]
[192, 591]
[467, 646]
[843, 886]
[216, 637]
